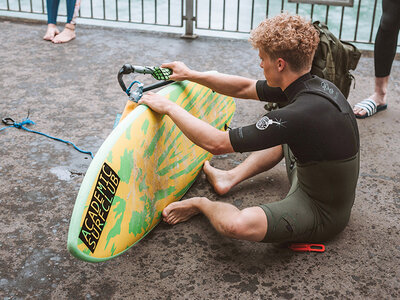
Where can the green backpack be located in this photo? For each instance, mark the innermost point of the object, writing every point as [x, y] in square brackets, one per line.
[334, 59]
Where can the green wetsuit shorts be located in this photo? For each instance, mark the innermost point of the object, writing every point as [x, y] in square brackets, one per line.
[319, 201]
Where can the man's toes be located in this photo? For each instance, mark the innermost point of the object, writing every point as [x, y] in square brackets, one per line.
[168, 221]
[171, 219]
[166, 212]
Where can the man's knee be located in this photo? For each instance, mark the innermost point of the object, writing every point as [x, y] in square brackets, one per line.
[250, 224]
[237, 228]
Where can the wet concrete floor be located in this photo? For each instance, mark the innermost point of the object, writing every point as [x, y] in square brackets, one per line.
[71, 92]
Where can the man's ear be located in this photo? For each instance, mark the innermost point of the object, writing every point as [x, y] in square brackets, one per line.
[281, 64]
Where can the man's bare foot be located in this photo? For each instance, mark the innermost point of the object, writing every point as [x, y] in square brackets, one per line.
[220, 180]
[68, 34]
[51, 32]
[180, 211]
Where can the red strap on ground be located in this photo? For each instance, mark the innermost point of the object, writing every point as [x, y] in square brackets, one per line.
[302, 247]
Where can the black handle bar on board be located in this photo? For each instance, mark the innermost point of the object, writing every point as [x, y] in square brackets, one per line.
[128, 69]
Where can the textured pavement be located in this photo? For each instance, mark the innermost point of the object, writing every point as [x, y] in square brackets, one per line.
[71, 92]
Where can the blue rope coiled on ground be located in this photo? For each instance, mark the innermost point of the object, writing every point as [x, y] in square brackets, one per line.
[11, 123]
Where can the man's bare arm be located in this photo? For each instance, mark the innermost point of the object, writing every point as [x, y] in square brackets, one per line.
[230, 85]
[199, 132]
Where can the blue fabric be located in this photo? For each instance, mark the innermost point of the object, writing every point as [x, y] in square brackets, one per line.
[52, 10]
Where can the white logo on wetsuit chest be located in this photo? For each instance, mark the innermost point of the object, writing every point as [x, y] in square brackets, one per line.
[264, 122]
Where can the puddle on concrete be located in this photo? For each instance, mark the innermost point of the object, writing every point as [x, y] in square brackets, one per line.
[62, 173]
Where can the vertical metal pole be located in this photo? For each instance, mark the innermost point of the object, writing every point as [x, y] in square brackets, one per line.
[223, 16]
[189, 20]
[341, 23]
[130, 10]
[373, 22]
[358, 18]
[252, 15]
[312, 12]
[327, 15]
[197, 12]
[155, 12]
[209, 14]
[116, 10]
[142, 11]
[169, 12]
[237, 19]
[91, 9]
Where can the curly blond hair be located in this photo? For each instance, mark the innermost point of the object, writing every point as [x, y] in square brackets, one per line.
[289, 37]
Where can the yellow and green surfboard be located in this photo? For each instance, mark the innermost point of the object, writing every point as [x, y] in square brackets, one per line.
[144, 164]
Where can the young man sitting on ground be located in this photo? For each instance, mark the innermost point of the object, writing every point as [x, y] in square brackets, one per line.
[315, 131]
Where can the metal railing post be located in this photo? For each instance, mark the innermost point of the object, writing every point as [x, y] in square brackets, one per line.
[189, 19]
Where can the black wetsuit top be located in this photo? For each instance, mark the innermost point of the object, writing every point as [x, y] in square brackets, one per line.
[310, 123]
